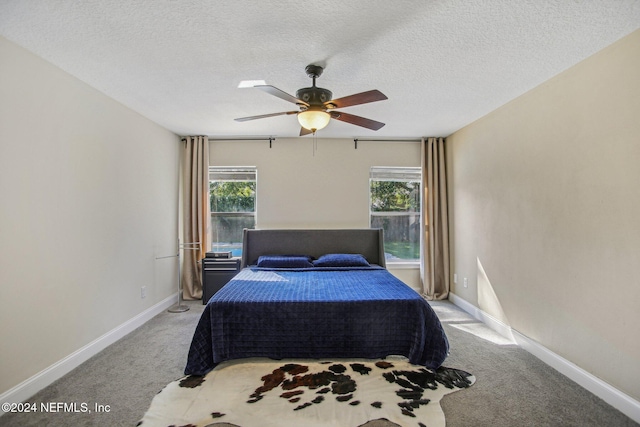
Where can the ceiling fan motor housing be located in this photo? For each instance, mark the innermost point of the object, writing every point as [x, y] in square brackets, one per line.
[314, 95]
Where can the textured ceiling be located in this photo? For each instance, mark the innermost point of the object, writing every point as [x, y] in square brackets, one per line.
[442, 64]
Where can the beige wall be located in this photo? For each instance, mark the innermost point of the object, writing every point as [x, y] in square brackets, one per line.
[88, 198]
[545, 196]
[328, 188]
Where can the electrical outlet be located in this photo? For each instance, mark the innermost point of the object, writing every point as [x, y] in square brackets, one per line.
[455, 278]
[466, 282]
[143, 292]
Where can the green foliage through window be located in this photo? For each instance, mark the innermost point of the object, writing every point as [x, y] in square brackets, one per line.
[232, 196]
[395, 196]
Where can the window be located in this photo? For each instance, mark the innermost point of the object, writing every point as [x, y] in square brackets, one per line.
[394, 205]
[233, 206]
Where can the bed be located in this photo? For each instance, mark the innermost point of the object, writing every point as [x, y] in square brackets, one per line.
[315, 294]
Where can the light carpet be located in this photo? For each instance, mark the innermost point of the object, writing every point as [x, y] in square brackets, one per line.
[310, 393]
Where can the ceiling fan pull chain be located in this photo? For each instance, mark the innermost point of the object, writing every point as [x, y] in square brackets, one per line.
[315, 143]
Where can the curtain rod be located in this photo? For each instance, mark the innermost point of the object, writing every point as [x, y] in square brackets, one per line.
[355, 140]
[266, 138]
[270, 139]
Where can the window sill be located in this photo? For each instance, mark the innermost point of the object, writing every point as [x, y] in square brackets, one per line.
[407, 265]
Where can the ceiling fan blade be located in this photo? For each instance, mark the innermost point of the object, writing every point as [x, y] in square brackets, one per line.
[272, 90]
[305, 131]
[356, 120]
[263, 116]
[357, 99]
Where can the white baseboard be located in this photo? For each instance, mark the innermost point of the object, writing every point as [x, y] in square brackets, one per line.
[487, 319]
[42, 379]
[614, 397]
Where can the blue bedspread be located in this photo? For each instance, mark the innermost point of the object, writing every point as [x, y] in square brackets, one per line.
[316, 313]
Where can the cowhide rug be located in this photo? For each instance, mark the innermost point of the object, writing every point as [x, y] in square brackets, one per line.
[344, 393]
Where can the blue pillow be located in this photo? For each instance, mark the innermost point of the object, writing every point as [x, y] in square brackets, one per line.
[341, 260]
[284, 261]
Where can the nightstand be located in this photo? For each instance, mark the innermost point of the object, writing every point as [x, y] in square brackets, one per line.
[216, 272]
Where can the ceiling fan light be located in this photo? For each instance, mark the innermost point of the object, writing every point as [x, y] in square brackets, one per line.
[313, 120]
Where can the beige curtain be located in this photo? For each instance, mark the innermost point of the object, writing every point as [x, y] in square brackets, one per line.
[434, 267]
[196, 215]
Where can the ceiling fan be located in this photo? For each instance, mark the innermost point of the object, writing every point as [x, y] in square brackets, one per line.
[317, 108]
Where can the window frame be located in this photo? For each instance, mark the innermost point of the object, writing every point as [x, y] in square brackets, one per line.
[233, 174]
[394, 174]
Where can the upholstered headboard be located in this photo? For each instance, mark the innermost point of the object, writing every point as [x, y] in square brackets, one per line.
[367, 242]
